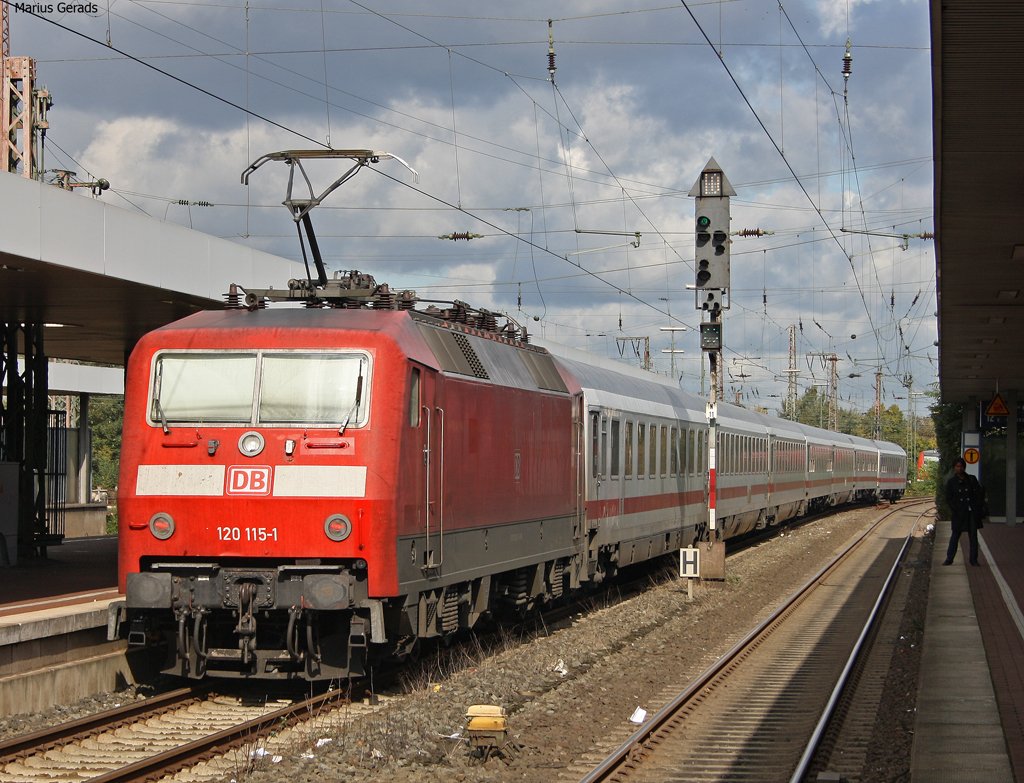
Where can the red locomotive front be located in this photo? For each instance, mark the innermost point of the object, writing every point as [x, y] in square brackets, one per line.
[285, 490]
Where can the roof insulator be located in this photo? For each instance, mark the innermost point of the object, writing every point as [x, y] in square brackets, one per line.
[551, 52]
[457, 235]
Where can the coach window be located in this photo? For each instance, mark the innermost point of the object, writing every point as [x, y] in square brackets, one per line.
[675, 451]
[414, 398]
[615, 448]
[628, 466]
[664, 450]
[652, 456]
[641, 446]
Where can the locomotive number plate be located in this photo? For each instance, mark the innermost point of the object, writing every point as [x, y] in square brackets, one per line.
[236, 533]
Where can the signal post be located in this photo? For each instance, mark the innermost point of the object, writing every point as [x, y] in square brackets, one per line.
[711, 266]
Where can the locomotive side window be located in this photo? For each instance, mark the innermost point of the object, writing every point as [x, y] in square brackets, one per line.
[414, 398]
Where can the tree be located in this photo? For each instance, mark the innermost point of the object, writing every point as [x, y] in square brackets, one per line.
[106, 415]
[948, 418]
[894, 425]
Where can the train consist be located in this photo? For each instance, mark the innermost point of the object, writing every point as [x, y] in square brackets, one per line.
[305, 491]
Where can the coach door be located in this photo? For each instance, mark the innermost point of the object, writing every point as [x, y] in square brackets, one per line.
[605, 473]
[432, 417]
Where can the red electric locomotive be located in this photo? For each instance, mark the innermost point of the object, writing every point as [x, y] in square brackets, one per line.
[298, 484]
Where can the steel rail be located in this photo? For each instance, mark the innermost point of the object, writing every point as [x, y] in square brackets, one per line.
[171, 761]
[814, 742]
[634, 745]
[65, 733]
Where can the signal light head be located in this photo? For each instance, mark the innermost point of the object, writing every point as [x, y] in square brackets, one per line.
[703, 221]
[703, 272]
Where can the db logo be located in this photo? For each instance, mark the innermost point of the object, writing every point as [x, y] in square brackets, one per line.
[248, 480]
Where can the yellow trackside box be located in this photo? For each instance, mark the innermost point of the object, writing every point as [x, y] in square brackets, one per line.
[486, 721]
[488, 724]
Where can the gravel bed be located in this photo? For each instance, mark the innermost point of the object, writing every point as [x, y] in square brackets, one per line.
[569, 691]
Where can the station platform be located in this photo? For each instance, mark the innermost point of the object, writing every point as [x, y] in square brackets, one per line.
[970, 706]
[78, 570]
[53, 627]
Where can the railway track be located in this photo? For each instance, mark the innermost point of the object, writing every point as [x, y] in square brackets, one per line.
[759, 713]
[208, 733]
[212, 734]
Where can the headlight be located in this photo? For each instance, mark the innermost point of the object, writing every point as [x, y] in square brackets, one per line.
[337, 527]
[251, 443]
[161, 525]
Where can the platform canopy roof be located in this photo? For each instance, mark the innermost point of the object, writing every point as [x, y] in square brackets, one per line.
[100, 276]
[978, 116]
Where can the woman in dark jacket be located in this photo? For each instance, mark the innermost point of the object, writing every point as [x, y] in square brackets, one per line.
[964, 496]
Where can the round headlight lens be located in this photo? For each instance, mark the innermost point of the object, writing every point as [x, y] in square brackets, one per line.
[251, 443]
[337, 527]
[161, 525]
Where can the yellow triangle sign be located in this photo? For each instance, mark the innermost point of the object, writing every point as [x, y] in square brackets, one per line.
[997, 407]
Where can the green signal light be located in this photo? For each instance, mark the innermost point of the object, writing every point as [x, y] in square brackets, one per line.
[703, 221]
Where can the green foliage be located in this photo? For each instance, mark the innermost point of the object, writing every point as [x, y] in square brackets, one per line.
[812, 409]
[948, 418]
[925, 484]
[105, 418]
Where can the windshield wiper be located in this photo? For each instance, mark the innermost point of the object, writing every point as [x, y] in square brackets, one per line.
[355, 405]
[160, 413]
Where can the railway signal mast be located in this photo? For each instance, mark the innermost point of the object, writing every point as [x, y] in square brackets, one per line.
[711, 192]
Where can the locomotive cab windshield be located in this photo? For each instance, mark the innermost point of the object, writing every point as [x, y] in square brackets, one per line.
[260, 388]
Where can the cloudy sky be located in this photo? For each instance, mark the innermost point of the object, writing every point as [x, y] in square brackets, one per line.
[170, 100]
